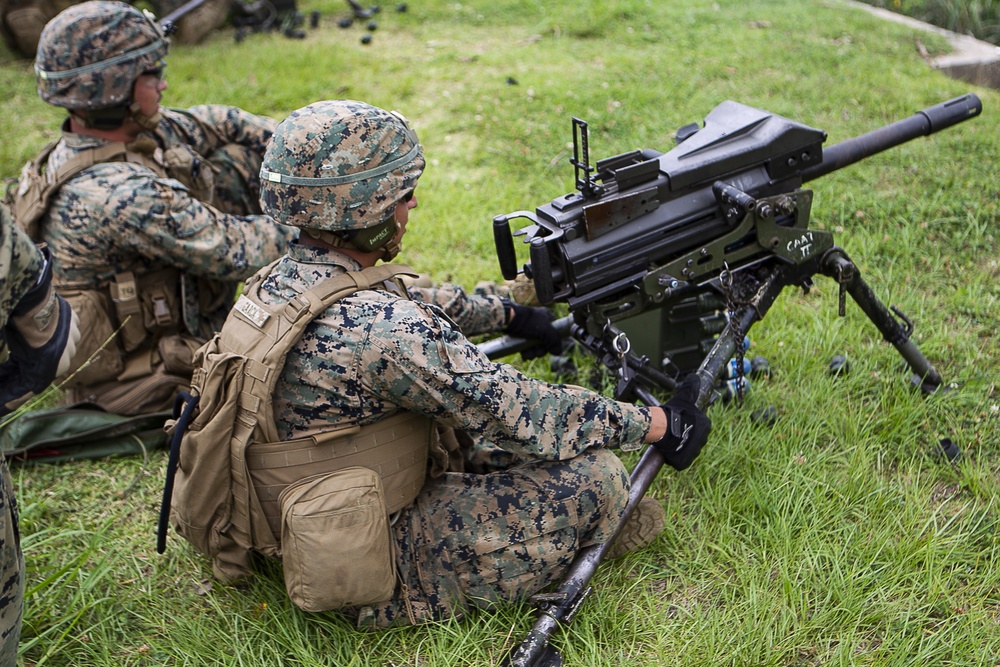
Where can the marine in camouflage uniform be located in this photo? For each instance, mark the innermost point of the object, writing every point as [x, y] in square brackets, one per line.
[179, 200]
[537, 480]
[37, 337]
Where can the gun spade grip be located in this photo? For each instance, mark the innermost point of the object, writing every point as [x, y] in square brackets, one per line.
[953, 111]
[504, 242]
[541, 272]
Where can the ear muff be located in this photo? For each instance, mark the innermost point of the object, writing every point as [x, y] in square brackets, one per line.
[372, 238]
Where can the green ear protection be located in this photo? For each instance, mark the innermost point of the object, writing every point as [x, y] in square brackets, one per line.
[372, 238]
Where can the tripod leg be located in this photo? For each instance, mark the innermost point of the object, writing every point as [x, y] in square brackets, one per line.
[839, 267]
[557, 609]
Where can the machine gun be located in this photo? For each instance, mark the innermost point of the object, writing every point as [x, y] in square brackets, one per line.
[723, 215]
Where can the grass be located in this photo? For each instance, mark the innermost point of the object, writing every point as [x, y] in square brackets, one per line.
[979, 18]
[835, 537]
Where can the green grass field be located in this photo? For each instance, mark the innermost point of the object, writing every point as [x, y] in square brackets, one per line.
[835, 537]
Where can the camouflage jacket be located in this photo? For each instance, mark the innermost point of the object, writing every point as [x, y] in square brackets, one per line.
[375, 353]
[120, 216]
[20, 266]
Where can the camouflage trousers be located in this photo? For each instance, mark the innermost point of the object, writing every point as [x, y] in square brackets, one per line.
[472, 540]
[11, 571]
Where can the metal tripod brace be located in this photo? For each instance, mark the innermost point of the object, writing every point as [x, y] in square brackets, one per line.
[558, 608]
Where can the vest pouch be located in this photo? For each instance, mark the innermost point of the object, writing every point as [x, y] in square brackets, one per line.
[336, 542]
[177, 353]
[124, 292]
[161, 307]
[95, 330]
[26, 199]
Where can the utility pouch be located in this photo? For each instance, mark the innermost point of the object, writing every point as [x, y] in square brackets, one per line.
[95, 330]
[336, 542]
[177, 353]
[128, 310]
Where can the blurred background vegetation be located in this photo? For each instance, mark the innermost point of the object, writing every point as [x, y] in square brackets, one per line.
[979, 18]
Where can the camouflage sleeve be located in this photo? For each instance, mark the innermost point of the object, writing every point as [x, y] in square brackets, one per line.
[421, 364]
[20, 265]
[474, 314]
[161, 221]
[207, 127]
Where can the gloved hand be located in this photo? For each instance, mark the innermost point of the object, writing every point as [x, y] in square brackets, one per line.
[533, 324]
[32, 369]
[687, 426]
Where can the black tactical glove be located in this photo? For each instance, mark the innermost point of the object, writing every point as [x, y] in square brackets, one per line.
[687, 426]
[533, 324]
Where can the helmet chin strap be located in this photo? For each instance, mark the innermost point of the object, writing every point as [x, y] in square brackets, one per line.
[114, 117]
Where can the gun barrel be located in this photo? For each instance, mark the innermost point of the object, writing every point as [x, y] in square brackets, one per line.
[179, 13]
[920, 124]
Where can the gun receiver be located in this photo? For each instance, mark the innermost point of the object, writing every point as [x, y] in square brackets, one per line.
[664, 224]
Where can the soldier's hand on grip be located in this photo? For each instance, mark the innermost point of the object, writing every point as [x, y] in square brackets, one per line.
[533, 324]
[687, 426]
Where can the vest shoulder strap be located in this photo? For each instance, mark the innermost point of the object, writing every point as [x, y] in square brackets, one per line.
[36, 187]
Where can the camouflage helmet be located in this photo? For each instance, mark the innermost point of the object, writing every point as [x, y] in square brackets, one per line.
[90, 54]
[339, 165]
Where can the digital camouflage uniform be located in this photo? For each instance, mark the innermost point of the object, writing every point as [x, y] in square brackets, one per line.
[536, 479]
[20, 266]
[120, 216]
[470, 538]
[172, 217]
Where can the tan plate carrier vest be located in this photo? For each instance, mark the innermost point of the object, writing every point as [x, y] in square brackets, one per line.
[141, 307]
[232, 465]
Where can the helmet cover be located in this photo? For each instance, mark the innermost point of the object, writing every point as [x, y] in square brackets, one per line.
[90, 54]
[339, 165]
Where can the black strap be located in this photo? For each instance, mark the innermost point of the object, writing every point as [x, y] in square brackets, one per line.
[184, 406]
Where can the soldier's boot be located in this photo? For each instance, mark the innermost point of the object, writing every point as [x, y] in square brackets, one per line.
[646, 523]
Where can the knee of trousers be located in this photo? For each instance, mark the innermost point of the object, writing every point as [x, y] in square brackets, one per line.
[598, 484]
[609, 478]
